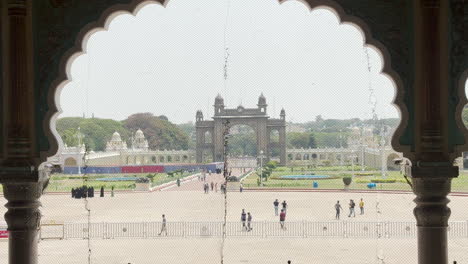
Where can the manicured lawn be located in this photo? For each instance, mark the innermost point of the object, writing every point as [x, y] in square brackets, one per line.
[359, 182]
[64, 183]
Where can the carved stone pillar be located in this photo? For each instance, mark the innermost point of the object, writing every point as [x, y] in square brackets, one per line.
[432, 170]
[19, 168]
[431, 186]
[23, 219]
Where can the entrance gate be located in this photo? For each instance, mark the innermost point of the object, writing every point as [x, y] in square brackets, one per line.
[210, 132]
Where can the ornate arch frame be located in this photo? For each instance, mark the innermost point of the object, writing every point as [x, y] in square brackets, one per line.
[79, 47]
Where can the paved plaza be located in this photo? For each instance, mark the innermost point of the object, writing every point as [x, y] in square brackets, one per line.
[189, 203]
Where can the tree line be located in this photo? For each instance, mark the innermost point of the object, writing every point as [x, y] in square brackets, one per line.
[163, 134]
[159, 131]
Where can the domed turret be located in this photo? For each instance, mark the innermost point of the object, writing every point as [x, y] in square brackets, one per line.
[219, 100]
[139, 134]
[199, 116]
[116, 143]
[140, 142]
[116, 137]
[261, 100]
[262, 103]
[283, 114]
[219, 104]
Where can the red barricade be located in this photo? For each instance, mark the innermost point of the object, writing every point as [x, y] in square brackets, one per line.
[143, 169]
[3, 233]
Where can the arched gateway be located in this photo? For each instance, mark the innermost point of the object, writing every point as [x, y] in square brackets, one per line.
[257, 118]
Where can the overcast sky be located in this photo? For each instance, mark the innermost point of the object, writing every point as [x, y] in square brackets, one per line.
[170, 61]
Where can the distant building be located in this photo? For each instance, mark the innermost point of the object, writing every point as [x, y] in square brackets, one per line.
[116, 143]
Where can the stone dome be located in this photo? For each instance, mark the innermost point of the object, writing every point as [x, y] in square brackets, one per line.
[116, 137]
[139, 134]
[219, 100]
[261, 100]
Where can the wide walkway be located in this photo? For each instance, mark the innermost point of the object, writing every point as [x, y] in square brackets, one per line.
[197, 185]
[193, 205]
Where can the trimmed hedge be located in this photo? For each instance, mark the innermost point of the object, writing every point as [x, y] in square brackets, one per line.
[383, 180]
[364, 174]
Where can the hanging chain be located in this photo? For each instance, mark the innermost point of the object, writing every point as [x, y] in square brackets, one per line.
[372, 97]
[373, 102]
[86, 201]
[226, 61]
[226, 48]
[226, 175]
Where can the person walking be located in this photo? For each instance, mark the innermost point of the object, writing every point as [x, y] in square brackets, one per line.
[249, 222]
[241, 187]
[163, 226]
[351, 208]
[243, 219]
[338, 209]
[361, 206]
[112, 191]
[178, 182]
[276, 205]
[212, 186]
[285, 205]
[216, 187]
[282, 219]
[102, 191]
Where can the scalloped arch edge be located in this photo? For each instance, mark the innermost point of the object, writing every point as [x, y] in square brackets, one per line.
[79, 47]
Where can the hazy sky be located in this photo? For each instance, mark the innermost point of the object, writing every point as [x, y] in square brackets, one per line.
[170, 61]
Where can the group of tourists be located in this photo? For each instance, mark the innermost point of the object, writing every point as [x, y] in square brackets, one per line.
[82, 192]
[282, 214]
[352, 206]
[213, 186]
[87, 192]
[246, 218]
[202, 176]
[276, 204]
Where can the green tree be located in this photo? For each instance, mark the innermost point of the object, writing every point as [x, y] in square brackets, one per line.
[96, 131]
[272, 164]
[312, 142]
[298, 139]
[160, 133]
[243, 144]
[189, 130]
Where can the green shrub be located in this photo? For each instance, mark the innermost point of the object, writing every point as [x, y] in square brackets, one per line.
[347, 180]
[363, 181]
[272, 164]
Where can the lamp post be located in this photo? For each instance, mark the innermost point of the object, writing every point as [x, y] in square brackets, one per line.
[79, 136]
[261, 157]
[352, 162]
[382, 153]
[362, 148]
[341, 149]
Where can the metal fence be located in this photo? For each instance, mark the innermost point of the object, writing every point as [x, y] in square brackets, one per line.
[264, 229]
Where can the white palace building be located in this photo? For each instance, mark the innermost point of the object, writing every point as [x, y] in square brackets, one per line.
[362, 150]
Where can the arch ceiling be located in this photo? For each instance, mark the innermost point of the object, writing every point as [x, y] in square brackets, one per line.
[60, 26]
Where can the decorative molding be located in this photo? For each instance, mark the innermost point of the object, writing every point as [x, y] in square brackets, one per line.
[77, 20]
[23, 205]
[458, 75]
